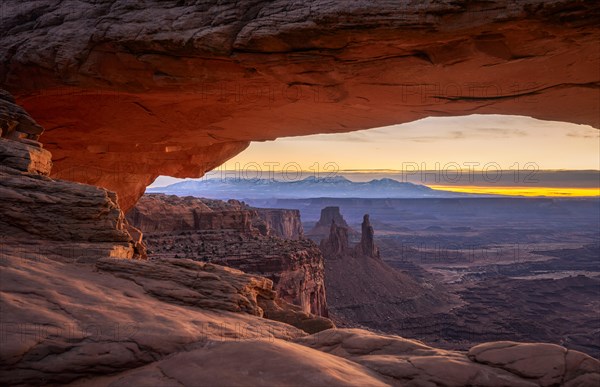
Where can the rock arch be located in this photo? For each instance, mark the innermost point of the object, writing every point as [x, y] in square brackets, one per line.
[127, 93]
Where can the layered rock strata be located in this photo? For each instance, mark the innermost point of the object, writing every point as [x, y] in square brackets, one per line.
[209, 286]
[282, 223]
[322, 228]
[233, 234]
[15, 122]
[62, 322]
[83, 221]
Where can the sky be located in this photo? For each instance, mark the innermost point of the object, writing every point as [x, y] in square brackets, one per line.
[468, 153]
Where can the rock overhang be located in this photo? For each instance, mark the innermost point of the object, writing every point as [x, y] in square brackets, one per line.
[127, 93]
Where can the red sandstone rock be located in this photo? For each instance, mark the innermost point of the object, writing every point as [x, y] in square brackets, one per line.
[130, 63]
[336, 245]
[328, 216]
[37, 210]
[367, 243]
[282, 223]
[131, 92]
[236, 235]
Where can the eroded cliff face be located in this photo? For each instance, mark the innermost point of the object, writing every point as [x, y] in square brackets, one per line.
[323, 228]
[131, 91]
[283, 223]
[236, 235]
[79, 222]
[170, 213]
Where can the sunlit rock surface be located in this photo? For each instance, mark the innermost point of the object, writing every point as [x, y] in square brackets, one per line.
[130, 91]
[62, 321]
[74, 323]
[409, 362]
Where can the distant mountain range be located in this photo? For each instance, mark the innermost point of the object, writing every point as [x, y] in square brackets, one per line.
[310, 187]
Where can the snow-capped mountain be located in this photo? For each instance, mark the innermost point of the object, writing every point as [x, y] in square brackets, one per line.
[310, 187]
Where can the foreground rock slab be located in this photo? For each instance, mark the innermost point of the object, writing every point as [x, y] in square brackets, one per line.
[186, 282]
[72, 323]
[205, 285]
[65, 321]
[250, 363]
[409, 362]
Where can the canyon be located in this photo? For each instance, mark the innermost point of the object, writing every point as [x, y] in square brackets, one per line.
[452, 298]
[121, 321]
[234, 234]
[508, 267]
[364, 291]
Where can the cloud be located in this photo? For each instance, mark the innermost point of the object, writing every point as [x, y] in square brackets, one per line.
[501, 132]
[541, 178]
[507, 140]
[584, 134]
[359, 136]
[449, 135]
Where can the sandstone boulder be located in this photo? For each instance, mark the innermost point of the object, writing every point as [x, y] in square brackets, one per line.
[410, 362]
[546, 363]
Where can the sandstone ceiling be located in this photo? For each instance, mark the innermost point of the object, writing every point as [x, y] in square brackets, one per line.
[128, 90]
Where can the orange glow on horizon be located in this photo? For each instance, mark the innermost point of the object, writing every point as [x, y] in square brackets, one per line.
[523, 191]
